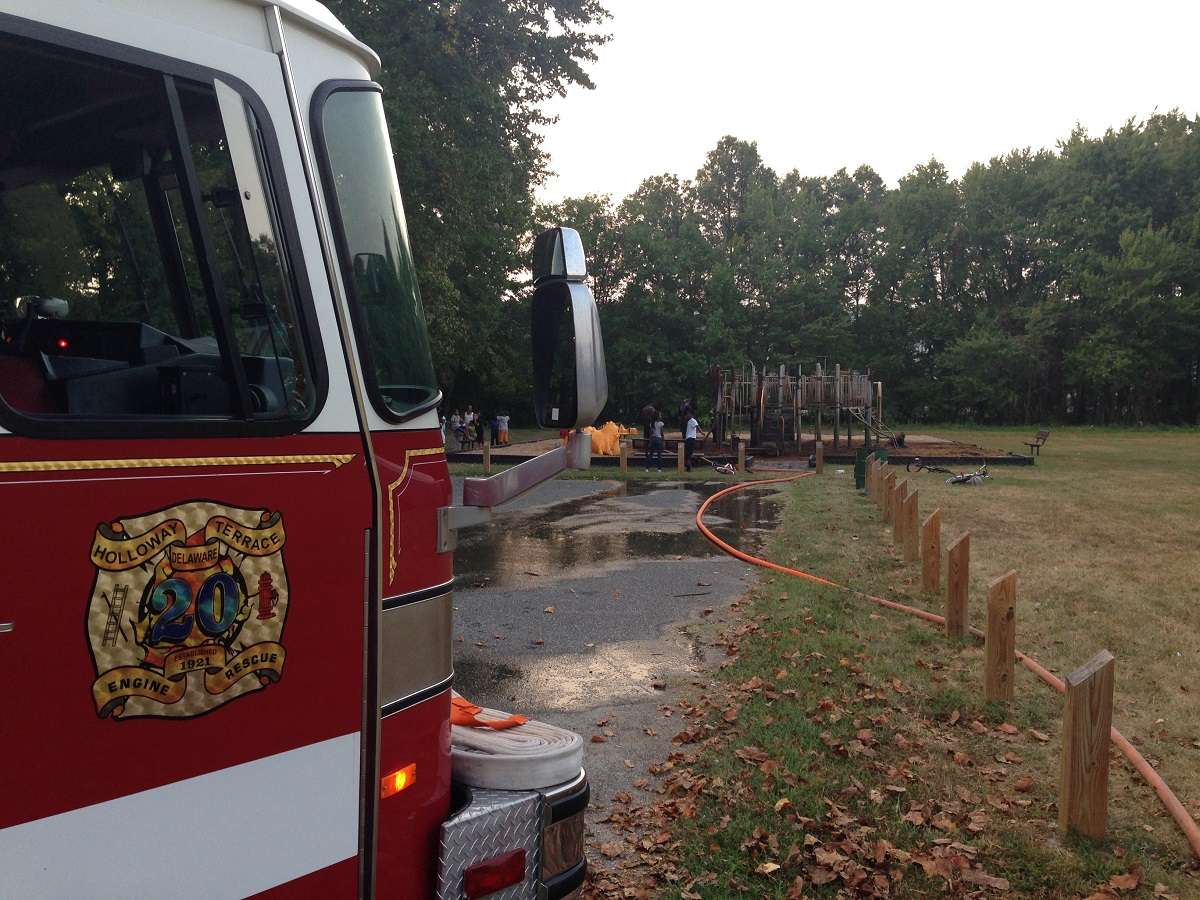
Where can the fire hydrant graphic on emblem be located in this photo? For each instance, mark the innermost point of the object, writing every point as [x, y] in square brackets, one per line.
[187, 610]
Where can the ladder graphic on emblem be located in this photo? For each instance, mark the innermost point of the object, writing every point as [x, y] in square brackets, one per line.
[115, 607]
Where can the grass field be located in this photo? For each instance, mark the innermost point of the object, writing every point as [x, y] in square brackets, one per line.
[1104, 533]
[850, 747]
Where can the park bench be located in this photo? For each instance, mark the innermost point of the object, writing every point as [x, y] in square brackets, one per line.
[1035, 446]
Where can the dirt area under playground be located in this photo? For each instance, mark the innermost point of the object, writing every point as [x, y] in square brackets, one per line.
[925, 445]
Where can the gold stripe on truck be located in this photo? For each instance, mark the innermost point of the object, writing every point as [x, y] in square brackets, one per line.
[337, 460]
[392, 488]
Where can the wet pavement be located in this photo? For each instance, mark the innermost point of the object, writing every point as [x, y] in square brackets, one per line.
[582, 603]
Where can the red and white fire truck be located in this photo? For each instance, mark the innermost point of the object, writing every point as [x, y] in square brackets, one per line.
[225, 622]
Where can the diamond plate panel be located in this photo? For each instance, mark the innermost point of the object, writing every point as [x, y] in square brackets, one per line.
[493, 822]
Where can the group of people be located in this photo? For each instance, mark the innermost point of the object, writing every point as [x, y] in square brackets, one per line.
[470, 429]
[652, 430]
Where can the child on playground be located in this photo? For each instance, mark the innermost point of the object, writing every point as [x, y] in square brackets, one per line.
[502, 425]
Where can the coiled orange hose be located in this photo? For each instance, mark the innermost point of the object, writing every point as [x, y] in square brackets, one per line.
[1191, 831]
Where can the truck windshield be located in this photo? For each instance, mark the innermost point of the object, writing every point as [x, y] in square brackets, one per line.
[377, 264]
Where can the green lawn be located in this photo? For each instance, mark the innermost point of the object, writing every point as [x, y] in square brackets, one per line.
[850, 745]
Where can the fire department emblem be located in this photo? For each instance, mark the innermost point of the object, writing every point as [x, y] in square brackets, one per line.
[187, 610]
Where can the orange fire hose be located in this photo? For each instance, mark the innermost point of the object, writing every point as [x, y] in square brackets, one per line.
[1191, 831]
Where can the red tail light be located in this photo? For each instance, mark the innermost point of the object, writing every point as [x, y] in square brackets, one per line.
[494, 874]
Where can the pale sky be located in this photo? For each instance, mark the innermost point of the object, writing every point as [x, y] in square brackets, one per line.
[821, 86]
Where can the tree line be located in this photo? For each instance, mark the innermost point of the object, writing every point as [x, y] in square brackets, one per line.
[1041, 286]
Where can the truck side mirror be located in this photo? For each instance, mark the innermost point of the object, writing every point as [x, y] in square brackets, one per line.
[570, 381]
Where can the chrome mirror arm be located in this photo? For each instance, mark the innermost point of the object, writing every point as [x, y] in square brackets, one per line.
[481, 494]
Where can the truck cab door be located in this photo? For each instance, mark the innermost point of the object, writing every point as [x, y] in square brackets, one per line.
[187, 531]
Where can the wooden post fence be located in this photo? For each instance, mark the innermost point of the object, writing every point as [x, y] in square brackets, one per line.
[487, 456]
[931, 552]
[1000, 640]
[912, 534]
[820, 455]
[741, 456]
[958, 571]
[898, 512]
[679, 452]
[889, 493]
[623, 446]
[1083, 786]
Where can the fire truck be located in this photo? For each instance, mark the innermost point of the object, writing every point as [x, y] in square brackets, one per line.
[225, 622]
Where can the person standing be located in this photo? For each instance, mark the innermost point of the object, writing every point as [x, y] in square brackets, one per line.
[691, 431]
[649, 414]
[656, 442]
[502, 421]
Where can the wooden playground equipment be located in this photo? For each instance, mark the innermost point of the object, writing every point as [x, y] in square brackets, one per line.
[785, 409]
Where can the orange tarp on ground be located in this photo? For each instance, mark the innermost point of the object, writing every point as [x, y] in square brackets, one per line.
[606, 439]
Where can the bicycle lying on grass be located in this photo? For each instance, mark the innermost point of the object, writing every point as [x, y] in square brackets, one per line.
[916, 465]
[975, 477]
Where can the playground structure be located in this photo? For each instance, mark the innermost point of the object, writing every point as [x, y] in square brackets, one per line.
[782, 410]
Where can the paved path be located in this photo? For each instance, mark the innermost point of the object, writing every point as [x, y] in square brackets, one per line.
[629, 580]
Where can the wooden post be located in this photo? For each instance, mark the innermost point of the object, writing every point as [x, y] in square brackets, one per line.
[931, 552]
[912, 534]
[880, 483]
[679, 452]
[870, 475]
[1000, 641]
[898, 512]
[837, 405]
[889, 492]
[1083, 786]
[741, 456]
[487, 457]
[958, 571]
[820, 454]
[623, 449]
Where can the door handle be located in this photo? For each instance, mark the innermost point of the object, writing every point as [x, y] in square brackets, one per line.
[6, 627]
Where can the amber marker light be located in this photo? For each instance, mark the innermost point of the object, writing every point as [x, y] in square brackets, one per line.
[395, 782]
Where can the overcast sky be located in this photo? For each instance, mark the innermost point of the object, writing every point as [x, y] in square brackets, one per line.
[824, 85]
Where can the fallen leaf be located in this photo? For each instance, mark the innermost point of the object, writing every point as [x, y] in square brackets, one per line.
[1007, 728]
[1128, 881]
[550, 610]
[611, 849]
[599, 739]
[766, 868]
[943, 822]
[1024, 784]
[1039, 736]
[819, 875]
[982, 878]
